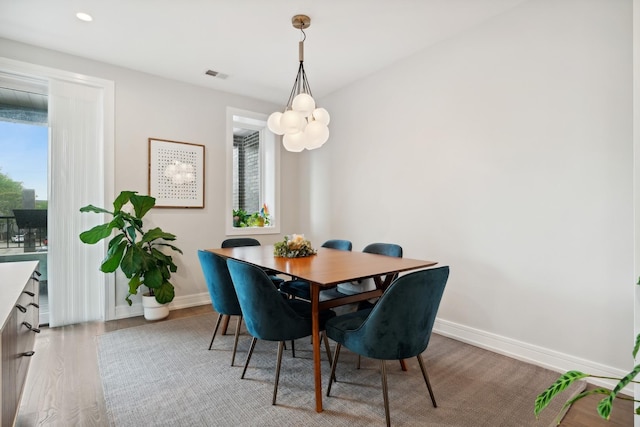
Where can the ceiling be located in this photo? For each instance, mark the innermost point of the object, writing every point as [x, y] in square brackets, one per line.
[251, 42]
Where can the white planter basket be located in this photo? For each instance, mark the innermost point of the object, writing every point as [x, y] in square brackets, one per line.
[153, 310]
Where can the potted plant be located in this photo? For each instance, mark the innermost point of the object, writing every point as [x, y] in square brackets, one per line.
[240, 218]
[136, 252]
[606, 404]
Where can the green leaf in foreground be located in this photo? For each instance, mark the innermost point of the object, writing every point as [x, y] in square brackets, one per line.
[564, 381]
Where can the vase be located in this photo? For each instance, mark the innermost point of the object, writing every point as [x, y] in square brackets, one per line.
[153, 310]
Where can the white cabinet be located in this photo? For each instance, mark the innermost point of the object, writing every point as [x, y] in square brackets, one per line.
[19, 313]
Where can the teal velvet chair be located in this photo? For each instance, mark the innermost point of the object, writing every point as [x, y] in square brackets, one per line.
[298, 288]
[237, 242]
[398, 327]
[387, 249]
[240, 241]
[222, 293]
[268, 316]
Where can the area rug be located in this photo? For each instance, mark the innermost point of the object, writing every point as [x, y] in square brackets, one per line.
[161, 374]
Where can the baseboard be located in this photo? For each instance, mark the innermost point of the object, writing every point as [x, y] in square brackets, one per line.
[124, 311]
[540, 356]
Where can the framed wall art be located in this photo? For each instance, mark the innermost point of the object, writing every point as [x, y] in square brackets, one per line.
[176, 173]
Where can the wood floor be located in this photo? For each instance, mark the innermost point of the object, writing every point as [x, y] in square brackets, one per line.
[63, 387]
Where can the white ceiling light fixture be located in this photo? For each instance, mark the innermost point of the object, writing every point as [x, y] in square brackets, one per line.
[84, 17]
[302, 123]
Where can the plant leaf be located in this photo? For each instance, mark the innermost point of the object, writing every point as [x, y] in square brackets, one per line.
[116, 240]
[132, 261]
[170, 246]
[153, 278]
[122, 199]
[142, 204]
[96, 234]
[112, 260]
[131, 232]
[166, 261]
[134, 284]
[564, 381]
[91, 208]
[157, 233]
[606, 404]
[636, 347]
[165, 293]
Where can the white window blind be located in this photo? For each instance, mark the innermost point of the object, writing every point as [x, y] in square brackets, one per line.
[77, 178]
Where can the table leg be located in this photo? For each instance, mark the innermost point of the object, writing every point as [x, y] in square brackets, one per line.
[225, 324]
[315, 336]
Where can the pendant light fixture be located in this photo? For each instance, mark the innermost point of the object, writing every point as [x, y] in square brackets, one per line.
[302, 124]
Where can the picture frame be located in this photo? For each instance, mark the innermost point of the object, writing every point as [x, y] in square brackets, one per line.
[176, 173]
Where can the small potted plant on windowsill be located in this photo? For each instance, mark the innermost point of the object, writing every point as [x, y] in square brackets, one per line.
[136, 252]
[242, 218]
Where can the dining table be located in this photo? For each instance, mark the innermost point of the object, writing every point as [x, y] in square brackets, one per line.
[324, 270]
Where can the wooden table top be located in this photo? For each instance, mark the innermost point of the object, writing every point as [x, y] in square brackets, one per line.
[329, 267]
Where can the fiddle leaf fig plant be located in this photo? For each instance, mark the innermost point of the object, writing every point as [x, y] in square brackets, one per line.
[135, 251]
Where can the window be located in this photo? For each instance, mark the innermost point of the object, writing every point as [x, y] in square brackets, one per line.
[24, 139]
[252, 175]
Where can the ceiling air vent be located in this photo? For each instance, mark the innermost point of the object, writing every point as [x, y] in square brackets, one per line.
[216, 74]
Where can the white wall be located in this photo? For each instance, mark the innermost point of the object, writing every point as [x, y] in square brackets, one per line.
[149, 106]
[506, 153]
[636, 156]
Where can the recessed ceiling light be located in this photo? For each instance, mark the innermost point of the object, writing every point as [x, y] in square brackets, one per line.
[84, 17]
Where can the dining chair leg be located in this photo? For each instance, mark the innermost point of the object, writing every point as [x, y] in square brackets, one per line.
[293, 349]
[358, 362]
[215, 330]
[332, 377]
[278, 363]
[326, 346]
[246, 362]
[385, 392]
[235, 341]
[426, 380]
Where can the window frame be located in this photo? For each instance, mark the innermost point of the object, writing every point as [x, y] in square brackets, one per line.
[269, 171]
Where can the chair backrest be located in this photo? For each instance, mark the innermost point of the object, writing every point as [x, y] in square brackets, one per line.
[343, 245]
[221, 290]
[399, 326]
[240, 241]
[388, 249]
[266, 313]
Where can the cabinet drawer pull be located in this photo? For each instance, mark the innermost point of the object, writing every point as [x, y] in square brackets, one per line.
[31, 328]
[28, 353]
[31, 294]
[33, 304]
[21, 308]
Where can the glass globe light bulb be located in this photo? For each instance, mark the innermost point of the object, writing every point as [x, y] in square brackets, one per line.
[292, 122]
[294, 142]
[304, 104]
[317, 133]
[273, 123]
[321, 115]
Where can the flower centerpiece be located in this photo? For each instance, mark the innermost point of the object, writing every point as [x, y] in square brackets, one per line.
[295, 247]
